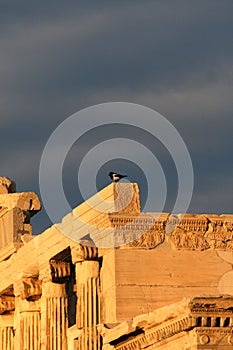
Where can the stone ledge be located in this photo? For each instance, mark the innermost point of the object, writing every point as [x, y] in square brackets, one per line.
[24, 200]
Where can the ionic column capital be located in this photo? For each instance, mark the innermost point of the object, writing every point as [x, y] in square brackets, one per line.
[81, 252]
[54, 271]
[27, 288]
[7, 303]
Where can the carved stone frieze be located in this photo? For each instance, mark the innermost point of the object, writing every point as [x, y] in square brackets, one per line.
[192, 223]
[201, 232]
[142, 231]
[220, 232]
[149, 239]
[185, 232]
[220, 240]
[183, 239]
[191, 232]
[7, 303]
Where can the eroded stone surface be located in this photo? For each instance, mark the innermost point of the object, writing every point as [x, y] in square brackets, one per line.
[7, 185]
[16, 210]
[58, 291]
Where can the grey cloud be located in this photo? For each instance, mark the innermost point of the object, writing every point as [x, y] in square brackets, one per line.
[173, 56]
[114, 49]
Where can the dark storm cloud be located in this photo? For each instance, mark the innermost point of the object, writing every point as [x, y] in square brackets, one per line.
[173, 56]
[134, 46]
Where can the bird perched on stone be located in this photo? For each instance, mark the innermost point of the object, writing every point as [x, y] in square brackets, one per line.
[116, 177]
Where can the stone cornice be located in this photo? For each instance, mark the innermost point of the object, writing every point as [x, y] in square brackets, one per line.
[192, 232]
[146, 330]
[176, 316]
[157, 334]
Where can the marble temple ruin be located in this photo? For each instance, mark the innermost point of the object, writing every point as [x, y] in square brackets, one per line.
[116, 279]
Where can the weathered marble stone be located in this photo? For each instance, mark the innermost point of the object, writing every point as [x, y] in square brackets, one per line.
[6, 185]
[155, 289]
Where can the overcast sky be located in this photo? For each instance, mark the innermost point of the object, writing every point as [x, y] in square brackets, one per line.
[174, 56]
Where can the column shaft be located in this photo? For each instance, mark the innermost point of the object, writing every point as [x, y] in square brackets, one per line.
[30, 330]
[87, 277]
[6, 338]
[54, 316]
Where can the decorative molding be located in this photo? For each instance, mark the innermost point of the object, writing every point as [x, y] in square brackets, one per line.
[202, 232]
[218, 305]
[192, 232]
[7, 303]
[214, 327]
[81, 252]
[142, 231]
[191, 223]
[156, 334]
[214, 337]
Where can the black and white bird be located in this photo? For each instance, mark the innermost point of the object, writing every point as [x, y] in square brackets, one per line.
[116, 177]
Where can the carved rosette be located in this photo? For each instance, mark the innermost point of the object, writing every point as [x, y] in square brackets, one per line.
[214, 338]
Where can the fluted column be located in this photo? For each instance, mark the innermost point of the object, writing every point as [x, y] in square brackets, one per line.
[6, 338]
[87, 284]
[27, 313]
[54, 306]
[7, 305]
